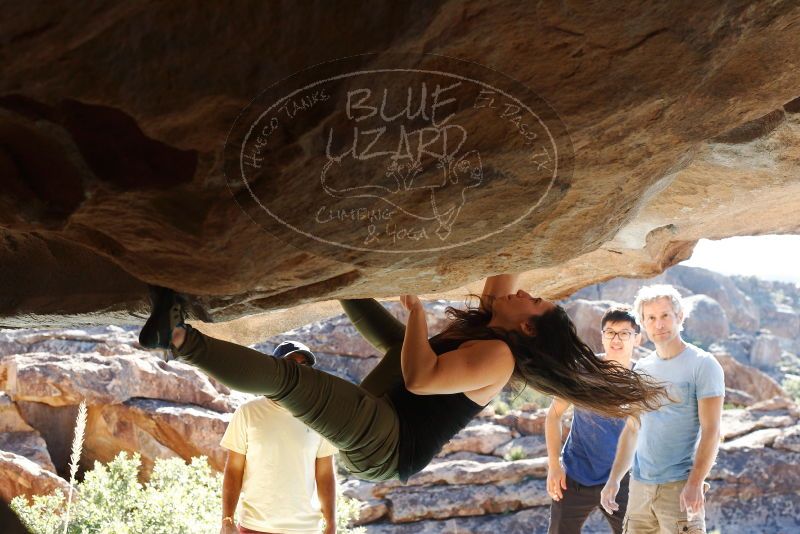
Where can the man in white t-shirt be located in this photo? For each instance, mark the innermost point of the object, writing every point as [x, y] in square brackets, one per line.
[275, 463]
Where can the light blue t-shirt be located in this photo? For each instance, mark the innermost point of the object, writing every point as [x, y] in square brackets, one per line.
[668, 436]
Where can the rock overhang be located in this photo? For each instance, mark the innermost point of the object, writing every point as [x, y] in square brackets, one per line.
[114, 126]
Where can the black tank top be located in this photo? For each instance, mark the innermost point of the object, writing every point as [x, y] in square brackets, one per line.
[427, 422]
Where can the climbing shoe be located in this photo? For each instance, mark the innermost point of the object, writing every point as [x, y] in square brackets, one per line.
[166, 313]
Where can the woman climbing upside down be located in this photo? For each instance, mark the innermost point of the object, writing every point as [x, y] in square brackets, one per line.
[423, 391]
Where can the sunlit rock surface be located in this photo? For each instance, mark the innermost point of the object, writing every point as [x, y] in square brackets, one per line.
[113, 122]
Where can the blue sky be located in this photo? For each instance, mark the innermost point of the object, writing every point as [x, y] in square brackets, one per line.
[771, 257]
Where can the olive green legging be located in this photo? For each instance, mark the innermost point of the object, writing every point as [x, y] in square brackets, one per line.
[358, 420]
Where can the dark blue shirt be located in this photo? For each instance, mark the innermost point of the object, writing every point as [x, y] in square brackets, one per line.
[590, 448]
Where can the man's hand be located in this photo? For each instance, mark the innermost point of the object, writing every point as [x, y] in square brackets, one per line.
[409, 302]
[330, 529]
[556, 481]
[692, 499]
[228, 528]
[608, 497]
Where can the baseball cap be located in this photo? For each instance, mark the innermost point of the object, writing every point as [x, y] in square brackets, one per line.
[288, 347]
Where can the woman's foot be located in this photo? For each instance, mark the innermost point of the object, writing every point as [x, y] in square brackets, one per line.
[166, 314]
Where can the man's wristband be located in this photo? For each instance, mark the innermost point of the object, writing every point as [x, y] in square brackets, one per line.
[228, 519]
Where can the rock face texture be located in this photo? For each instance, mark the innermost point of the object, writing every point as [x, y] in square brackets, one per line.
[706, 321]
[756, 465]
[137, 402]
[21, 476]
[114, 120]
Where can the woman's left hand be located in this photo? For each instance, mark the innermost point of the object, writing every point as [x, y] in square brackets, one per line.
[410, 302]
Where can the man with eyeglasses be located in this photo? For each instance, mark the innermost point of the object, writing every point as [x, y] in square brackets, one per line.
[673, 448]
[576, 474]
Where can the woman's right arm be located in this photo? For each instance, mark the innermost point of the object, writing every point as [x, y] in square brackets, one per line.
[499, 285]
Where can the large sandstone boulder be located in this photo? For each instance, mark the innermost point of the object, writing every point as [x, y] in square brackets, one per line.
[137, 402]
[525, 446]
[754, 472]
[770, 514]
[58, 381]
[783, 321]
[705, 321]
[757, 385]
[469, 472]
[765, 437]
[789, 439]
[766, 351]
[737, 397]
[666, 145]
[738, 307]
[30, 445]
[370, 511]
[10, 418]
[413, 504]
[481, 438]
[155, 429]
[587, 315]
[528, 521]
[524, 422]
[776, 404]
[779, 307]
[739, 422]
[105, 339]
[737, 345]
[21, 476]
[56, 425]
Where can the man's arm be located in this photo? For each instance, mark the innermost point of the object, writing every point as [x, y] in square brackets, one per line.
[709, 410]
[326, 491]
[231, 488]
[626, 448]
[556, 478]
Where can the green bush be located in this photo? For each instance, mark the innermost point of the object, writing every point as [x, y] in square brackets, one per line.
[179, 497]
[500, 407]
[515, 399]
[516, 453]
[347, 511]
[791, 385]
[528, 396]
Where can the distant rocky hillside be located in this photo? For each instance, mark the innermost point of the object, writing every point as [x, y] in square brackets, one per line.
[755, 321]
[489, 478]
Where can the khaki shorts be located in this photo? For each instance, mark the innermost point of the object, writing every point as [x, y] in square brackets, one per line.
[656, 509]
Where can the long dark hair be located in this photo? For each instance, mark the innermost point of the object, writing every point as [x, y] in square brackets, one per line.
[557, 362]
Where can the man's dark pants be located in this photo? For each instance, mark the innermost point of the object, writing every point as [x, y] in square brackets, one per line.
[568, 515]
